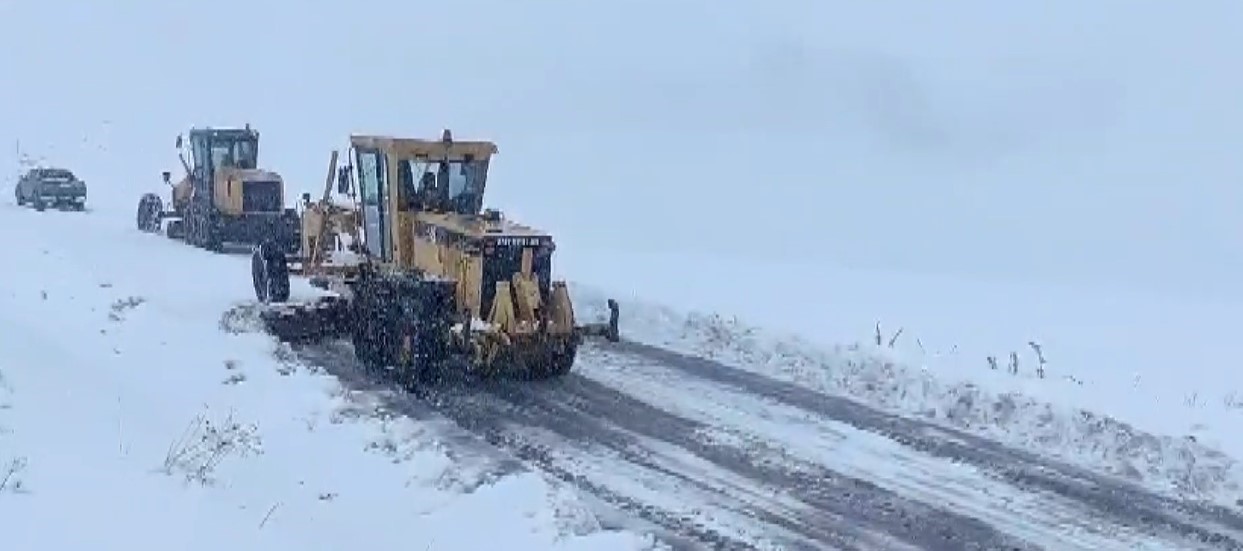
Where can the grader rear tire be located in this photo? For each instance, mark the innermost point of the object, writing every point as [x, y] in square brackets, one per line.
[561, 365]
[269, 271]
[401, 326]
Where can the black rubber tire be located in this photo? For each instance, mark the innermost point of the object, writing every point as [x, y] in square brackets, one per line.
[367, 348]
[201, 228]
[369, 331]
[148, 216]
[17, 196]
[211, 234]
[175, 229]
[386, 310]
[269, 270]
[39, 204]
[561, 365]
[293, 231]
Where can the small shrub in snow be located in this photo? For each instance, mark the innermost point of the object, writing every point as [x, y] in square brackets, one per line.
[1233, 401]
[242, 318]
[205, 445]
[1192, 400]
[267, 516]
[121, 306]
[1040, 361]
[892, 340]
[10, 477]
[287, 361]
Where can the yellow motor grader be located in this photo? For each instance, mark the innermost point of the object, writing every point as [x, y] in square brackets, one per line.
[224, 197]
[424, 280]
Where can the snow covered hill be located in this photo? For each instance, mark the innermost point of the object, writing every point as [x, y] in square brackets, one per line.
[132, 421]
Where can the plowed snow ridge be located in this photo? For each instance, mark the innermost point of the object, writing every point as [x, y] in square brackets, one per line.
[1176, 466]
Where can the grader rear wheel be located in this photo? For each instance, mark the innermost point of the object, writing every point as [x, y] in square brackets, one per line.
[269, 271]
[559, 366]
[400, 325]
[203, 228]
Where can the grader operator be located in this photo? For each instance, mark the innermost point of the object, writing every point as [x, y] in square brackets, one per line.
[441, 285]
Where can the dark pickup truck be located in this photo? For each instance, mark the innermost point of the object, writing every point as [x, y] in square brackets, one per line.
[45, 187]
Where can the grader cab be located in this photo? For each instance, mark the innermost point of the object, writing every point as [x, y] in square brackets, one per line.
[429, 280]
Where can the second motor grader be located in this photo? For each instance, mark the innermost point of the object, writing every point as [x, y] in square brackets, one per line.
[224, 197]
[426, 281]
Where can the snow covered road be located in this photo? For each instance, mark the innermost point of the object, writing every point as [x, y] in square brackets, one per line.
[731, 459]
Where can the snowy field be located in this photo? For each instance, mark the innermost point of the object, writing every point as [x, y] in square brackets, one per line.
[132, 421]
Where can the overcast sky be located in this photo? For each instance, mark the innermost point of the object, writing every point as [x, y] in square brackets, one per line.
[1073, 141]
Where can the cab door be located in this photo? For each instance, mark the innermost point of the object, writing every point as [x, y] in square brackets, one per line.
[372, 184]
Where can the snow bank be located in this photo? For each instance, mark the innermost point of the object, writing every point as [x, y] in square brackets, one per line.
[1044, 416]
[142, 425]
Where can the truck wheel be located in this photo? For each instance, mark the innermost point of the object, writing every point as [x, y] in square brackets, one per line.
[149, 210]
[269, 271]
[39, 204]
[17, 196]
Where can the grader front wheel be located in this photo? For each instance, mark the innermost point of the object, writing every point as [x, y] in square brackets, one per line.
[148, 216]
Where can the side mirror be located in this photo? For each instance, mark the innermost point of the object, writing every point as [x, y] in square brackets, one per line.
[168, 177]
[178, 141]
[343, 180]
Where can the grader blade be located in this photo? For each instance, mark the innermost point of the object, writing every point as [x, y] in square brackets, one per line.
[325, 318]
[531, 356]
[609, 330]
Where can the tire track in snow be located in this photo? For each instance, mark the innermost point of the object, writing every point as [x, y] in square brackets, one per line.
[486, 447]
[767, 428]
[1125, 504]
[586, 433]
[490, 455]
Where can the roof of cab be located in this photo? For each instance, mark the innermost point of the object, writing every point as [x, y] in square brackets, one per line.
[415, 147]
